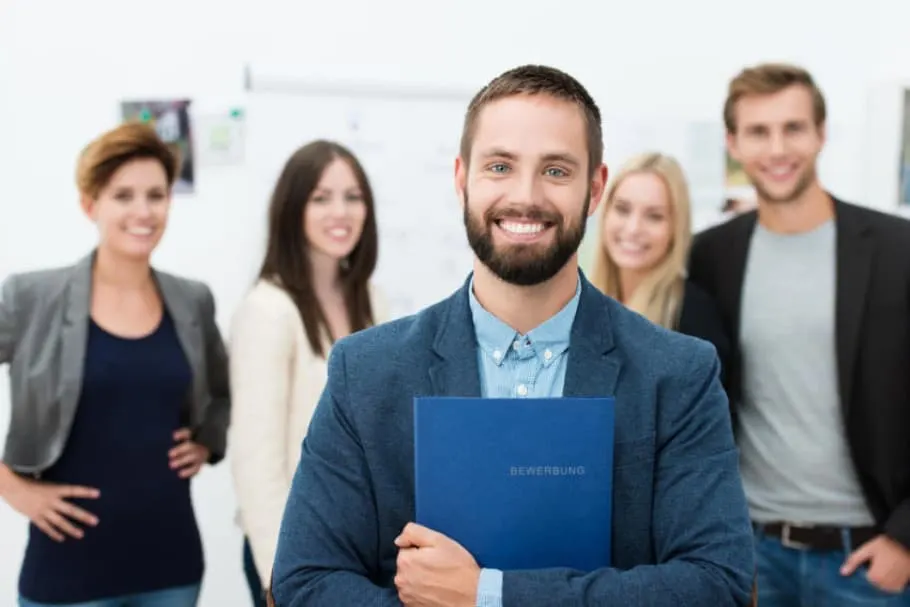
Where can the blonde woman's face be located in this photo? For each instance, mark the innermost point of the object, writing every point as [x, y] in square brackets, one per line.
[638, 223]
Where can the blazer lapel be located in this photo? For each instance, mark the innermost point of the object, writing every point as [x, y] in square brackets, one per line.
[74, 333]
[181, 308]
[592, 368]
[455, 371]
[855, 248]
[736, 256]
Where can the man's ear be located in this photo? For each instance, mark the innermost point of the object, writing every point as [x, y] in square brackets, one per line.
[598, 187]
[461, 180]
[730, 140]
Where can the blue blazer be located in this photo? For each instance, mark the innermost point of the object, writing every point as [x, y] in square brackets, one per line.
[681, 532]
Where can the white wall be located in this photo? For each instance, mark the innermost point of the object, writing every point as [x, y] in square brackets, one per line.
[65, 64]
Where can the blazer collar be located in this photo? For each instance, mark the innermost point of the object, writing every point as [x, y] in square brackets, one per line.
[593, 363]
[79, 294]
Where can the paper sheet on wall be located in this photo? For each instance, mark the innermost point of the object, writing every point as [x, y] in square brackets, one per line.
[220, 138]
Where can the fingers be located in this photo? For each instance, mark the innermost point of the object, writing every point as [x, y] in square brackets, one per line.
[48, 529]
[76, 513]
[62, 524]
[76, 491]
[190, 471]
[189, 458]
[181, 449]
[416, 536]
[183, 434]
[57, 521]
[857, 558]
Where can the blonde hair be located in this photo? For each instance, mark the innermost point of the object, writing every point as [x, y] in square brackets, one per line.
[659, 296]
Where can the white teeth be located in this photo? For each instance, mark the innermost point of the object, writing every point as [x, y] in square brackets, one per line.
[339, 232]
[780, 172]
[521, 228]
[629, 247]
[140, 231]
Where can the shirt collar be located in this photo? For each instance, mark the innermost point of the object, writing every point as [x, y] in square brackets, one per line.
[496, 337]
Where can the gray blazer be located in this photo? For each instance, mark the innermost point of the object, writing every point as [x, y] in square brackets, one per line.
[44, 318]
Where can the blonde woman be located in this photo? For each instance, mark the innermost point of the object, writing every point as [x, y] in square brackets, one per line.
[313, 289]
[643, 249]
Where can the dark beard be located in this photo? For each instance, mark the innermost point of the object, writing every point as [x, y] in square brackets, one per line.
[525, 265]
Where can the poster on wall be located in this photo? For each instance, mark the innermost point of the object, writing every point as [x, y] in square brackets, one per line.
[739, 194]
[904, 166]
[171, 120]
[220, 138]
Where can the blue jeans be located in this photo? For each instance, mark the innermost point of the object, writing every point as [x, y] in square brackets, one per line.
[184, 596]
[788, 577]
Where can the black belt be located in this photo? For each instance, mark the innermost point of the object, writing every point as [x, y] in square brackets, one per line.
[816, 537]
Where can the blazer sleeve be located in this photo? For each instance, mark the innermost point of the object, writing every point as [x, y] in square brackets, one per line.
[327, 545]
[262, 351]
[701, 536]
[700, 261]
[701, 317]
[897, 526]
[8, 329]
[213, 429]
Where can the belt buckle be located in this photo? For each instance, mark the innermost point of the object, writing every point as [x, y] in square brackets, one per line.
[789, 543]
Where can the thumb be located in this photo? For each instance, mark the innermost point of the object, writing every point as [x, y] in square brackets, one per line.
[859, 556]
[416, 536]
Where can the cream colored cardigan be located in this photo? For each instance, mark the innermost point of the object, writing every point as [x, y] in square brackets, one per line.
[276, 381]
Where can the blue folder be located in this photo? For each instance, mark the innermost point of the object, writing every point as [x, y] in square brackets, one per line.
[520, 483]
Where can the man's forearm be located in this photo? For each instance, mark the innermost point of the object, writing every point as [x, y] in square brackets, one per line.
[674, 584]
[331, 590]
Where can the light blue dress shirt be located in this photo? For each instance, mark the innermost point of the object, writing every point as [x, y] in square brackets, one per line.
[519, 366]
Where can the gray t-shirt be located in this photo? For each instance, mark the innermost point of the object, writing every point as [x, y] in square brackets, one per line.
[795, 462]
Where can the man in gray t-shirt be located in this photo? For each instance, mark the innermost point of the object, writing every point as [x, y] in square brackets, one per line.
[816, 295]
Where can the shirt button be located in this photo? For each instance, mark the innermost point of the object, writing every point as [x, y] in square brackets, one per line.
[522, 390]
[516, 344]
[497, 354]
[547, 355]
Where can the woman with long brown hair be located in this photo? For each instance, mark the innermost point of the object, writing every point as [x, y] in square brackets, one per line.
[313, 289]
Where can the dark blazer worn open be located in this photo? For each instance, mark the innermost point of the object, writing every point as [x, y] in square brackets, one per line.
[872, 339]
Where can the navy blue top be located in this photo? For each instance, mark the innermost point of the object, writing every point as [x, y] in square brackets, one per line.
[146, 539]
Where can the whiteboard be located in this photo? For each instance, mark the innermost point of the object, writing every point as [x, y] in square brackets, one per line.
[407, 140]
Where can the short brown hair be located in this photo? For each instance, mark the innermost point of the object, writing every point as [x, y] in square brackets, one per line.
[101, 158]
[535, 80]
[767, 79]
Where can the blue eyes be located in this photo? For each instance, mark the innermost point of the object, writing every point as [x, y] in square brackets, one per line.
[550, 172]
